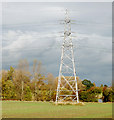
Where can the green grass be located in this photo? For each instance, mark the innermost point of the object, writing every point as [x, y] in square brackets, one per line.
[18, 109]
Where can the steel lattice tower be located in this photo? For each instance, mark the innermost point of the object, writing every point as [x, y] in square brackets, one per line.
[67, 89]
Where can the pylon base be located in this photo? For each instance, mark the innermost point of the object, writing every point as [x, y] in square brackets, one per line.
[69, 103]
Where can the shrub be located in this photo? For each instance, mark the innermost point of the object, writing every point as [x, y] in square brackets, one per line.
[85, 96]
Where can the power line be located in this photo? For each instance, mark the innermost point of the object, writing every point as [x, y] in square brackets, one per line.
[49, 47]
[57, 23]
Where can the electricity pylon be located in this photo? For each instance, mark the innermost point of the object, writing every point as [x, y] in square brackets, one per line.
[67, 89]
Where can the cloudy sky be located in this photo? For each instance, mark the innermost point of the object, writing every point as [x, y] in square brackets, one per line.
[33, 30]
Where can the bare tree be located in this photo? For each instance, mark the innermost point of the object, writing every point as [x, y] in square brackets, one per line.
[21, 76]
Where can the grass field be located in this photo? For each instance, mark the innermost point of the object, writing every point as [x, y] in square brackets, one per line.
[17, 109]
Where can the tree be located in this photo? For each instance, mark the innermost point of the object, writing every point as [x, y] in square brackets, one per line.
[95, 90]
[87, 83]
[51, 82]
[10, 73]
[21, 77]
[8, 90]
[27, 94]
[37, 79]
[107, 95]
[81, 86]
[101, 86]
[105, 85]
[85, 96]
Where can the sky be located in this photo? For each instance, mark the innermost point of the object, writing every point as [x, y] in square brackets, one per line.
[32, 31]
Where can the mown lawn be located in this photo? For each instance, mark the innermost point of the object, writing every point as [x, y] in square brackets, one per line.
[18, 109]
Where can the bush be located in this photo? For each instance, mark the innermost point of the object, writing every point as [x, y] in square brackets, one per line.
[87, 97]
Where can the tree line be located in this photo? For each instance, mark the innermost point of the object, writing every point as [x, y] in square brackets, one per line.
[21, 84]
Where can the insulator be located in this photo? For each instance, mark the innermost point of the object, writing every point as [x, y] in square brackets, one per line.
[67, 33]
[67, 21]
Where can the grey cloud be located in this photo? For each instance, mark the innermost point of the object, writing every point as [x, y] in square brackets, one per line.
[31, 31]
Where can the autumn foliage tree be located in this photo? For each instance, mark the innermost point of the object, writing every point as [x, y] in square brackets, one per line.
[21, 84]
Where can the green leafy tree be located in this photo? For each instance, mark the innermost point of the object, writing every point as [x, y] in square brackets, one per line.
[87, 83]
[95, 90]
[27, 94]
[8, 90]
[108, 95]
[10, 73]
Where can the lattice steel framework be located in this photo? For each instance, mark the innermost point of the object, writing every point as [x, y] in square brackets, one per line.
[67, 89]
